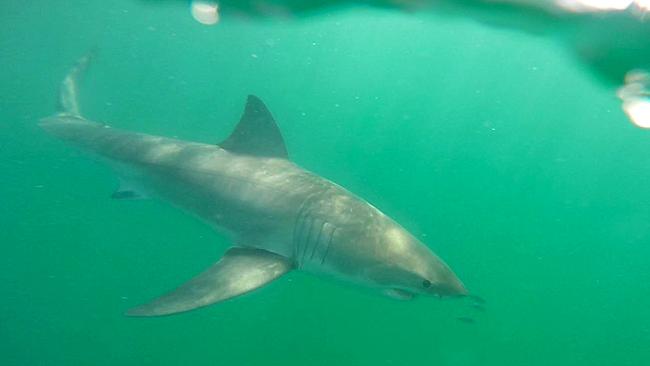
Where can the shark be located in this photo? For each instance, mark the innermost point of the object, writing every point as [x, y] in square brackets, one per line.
[278, 216]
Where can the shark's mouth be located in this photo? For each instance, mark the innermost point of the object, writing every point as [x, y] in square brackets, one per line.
[399, 294]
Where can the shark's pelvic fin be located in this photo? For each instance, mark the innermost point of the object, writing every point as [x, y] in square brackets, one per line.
[127, 195]
[241, 270]
[129, 191]
[256, 134]
[68, 101]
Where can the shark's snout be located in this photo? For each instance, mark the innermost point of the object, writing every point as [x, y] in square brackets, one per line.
[452, 287]
[446, 283]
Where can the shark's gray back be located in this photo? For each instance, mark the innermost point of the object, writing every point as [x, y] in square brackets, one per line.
[257, 200]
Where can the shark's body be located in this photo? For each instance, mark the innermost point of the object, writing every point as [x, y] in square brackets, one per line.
[279, 216]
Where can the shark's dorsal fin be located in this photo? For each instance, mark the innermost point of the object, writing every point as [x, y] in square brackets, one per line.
[256, 134]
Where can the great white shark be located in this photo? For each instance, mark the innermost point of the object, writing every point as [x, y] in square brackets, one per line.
[280, 217]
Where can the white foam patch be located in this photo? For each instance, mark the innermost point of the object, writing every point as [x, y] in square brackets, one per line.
[205, 12]
[643, 5]
[638, 8]
[635, 95]
[579, 6]
[638, 110]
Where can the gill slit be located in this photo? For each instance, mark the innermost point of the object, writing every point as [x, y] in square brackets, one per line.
[317, 241]
[329, 244]
[305, 246]
[300, 243]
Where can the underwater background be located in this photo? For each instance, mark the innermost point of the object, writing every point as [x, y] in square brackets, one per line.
[507, 155]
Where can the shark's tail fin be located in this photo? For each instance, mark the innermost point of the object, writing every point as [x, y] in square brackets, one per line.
[67, 123]
[68, 101]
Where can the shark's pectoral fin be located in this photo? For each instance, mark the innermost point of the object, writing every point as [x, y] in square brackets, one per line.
[241, 270]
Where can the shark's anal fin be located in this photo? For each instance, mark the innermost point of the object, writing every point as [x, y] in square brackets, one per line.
[256, 133]
[241, 270]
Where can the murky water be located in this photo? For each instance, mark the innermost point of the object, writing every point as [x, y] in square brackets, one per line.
[496, 138]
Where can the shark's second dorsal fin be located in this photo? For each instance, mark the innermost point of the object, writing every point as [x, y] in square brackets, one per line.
[256, 134]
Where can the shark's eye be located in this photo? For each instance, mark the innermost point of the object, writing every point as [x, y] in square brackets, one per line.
[426, 283]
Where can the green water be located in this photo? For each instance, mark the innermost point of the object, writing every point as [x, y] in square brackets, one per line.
[497, 148]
